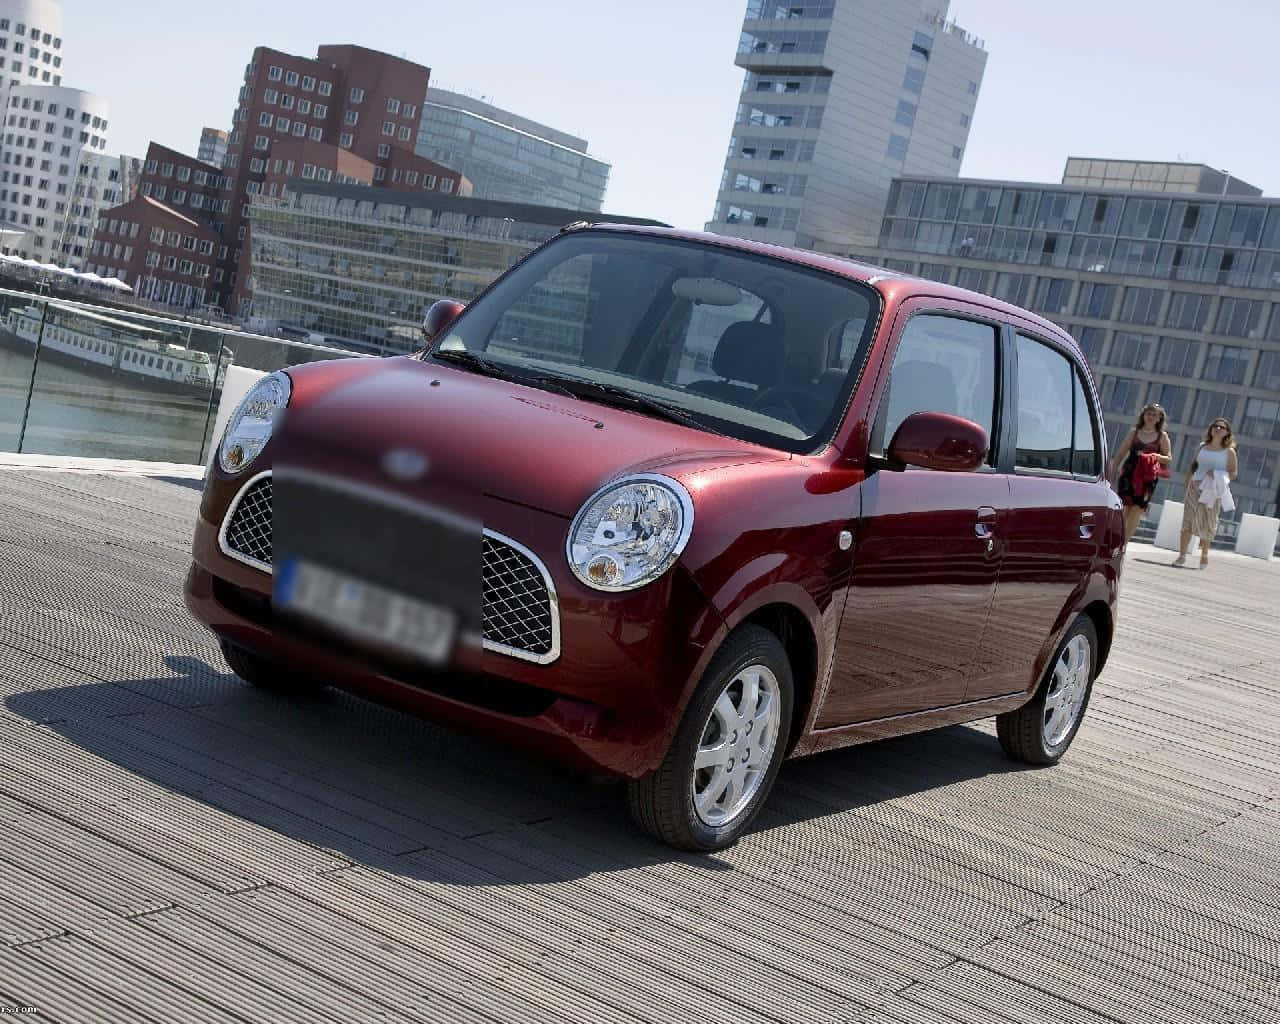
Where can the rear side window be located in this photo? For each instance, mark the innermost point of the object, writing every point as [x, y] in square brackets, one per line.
[1056, 430]
[1087, 457]
[943, 364]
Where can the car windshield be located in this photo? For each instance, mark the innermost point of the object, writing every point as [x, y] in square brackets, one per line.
[743, 344]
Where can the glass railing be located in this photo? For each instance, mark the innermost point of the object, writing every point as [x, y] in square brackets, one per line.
[101, 382]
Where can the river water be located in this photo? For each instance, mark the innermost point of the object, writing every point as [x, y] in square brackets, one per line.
[78, 412]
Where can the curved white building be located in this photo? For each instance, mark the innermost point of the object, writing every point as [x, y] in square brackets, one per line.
[30, 44]
[53, 170]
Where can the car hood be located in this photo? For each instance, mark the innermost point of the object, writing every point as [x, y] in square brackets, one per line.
[516, 443]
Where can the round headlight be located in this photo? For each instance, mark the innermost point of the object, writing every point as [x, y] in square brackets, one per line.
[250, 426]
[630, 532]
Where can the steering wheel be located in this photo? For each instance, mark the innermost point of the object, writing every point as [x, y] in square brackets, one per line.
[784, 402]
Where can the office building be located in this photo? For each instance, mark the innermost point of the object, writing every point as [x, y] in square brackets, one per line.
[349, 115]
[838, 98]
[360, 266]
[1154, 176]
[510, 157]
[54, 171]
[213, 146]
[30, 44]
[1175, 298]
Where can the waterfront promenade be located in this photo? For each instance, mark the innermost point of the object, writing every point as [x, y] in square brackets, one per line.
[175, 846]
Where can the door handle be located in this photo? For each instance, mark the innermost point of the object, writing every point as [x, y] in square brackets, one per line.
[984, 528]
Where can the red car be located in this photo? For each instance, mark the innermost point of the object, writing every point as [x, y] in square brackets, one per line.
[676, 507]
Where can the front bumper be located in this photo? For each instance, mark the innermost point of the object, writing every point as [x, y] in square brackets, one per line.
[609, 703]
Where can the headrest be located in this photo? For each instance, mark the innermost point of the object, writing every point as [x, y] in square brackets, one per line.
[751, 352]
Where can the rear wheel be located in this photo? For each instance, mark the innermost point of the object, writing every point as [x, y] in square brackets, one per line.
[1040, 731]
[727, 751]
[264, 673]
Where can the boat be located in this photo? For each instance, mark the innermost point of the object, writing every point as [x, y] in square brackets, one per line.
[122, 348]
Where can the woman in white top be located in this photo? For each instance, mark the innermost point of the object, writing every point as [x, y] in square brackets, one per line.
[1208, 489]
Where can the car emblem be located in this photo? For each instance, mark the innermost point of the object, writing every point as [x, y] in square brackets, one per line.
[405, 464]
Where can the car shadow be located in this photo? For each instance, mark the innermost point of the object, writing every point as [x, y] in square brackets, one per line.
[390, 791]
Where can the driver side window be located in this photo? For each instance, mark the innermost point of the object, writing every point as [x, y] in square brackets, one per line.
[942, 364]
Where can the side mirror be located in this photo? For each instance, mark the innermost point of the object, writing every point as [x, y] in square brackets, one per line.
[439, 317]
[938, 440]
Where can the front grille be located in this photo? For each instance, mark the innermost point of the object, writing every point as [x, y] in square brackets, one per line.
[514, 601]
[518, 610]
[248, 532]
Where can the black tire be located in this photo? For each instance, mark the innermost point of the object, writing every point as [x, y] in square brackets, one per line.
[263, 673]
[662, 802]
[1022, 732]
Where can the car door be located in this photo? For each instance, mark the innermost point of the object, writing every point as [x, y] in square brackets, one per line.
[1057, 518]
[928, 543]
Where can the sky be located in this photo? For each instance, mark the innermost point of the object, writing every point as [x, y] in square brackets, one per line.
[653, 88]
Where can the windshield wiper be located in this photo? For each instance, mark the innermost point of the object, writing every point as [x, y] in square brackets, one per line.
[464, 357]
[608, 394]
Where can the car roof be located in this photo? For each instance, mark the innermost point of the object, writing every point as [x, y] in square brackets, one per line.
[892, 284]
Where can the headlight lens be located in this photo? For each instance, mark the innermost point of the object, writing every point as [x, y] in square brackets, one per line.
[250, 426]
[630, 532]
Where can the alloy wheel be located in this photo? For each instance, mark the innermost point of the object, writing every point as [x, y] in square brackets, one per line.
[1067, 690]
[737, 745]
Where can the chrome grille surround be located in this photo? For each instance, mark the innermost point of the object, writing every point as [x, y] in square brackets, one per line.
[245, 534]
[519, 604]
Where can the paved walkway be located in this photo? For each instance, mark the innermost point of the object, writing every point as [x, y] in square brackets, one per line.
[176, 846]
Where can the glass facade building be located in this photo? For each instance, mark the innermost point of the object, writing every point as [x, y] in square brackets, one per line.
[510, 157]
[360, 266]
[1174, 299]
[838, 97]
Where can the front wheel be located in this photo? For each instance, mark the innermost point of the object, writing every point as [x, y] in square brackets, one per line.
[1040, 731]
[727, 751]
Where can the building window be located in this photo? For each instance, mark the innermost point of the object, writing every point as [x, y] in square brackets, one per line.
[1212, 404]
[1178, 357]
[261, 142]
[1131, 351]
[404, 133]
[270, 96]
[897, 148]
[304, 106]
[411, 178]
[320, 110]
[393, 106]
[308, 83]
[1141, 305]
[446, 185]
[956, 152]
[300, 128]
[384, 151]
[274, 73]
[906, 113]
[325, 88]
[265, 119]
[429, 181]
[291, 78]
[317, 134]
[388, 127]
[282, 124]
[409, 110]
[1226, 363]
[286, 101]
[379, 174]
[308, 171]
[357, 94]
[351, 117]
[1240, 318]
[973, 88]
[345, 140]
[257, 165]
[1188, 311]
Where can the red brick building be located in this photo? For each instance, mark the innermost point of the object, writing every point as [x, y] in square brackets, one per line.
[164, 254]
[347, 98]
[349, 115]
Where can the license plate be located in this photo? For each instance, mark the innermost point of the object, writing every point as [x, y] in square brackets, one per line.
[365, 610]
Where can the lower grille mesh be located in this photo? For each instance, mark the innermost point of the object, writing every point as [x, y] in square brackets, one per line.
[515, 603]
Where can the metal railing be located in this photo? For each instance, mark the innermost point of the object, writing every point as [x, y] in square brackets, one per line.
[88, 380]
